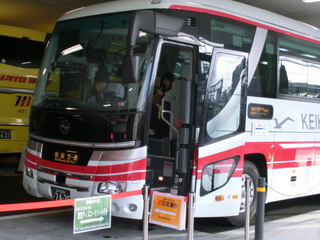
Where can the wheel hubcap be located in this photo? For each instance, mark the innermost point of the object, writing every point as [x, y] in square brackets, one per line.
[243, 192]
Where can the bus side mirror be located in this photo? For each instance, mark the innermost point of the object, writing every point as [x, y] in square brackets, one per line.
[148, 22]
[152, 23]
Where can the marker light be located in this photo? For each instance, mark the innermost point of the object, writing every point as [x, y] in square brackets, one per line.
[219, 198]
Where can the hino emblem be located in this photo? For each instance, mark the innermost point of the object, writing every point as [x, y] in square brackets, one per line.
[64, 126]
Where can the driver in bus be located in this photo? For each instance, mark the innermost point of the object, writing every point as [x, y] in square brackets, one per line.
[105, 90]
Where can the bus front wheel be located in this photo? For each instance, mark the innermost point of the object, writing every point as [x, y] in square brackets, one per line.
[249, 171]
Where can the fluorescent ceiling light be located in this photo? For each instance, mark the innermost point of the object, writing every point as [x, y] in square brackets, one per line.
[308, 55]
[72, 49]
[283, 50]
[309, 1]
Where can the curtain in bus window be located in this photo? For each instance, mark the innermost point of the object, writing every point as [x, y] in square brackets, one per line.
[224, 95]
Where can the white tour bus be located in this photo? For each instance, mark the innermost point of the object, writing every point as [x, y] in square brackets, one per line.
[243, 103]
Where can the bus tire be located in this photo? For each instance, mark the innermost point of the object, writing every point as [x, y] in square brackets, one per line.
[250, 170]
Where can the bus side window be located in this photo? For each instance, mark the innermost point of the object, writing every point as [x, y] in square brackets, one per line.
[224, 94]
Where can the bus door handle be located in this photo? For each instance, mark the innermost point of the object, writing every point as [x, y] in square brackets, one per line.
[163, 111]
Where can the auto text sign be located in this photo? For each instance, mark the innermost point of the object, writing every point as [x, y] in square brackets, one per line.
[168, 210]
[92, 213]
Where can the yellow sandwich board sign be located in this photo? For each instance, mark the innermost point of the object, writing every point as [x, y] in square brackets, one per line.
[168, 210]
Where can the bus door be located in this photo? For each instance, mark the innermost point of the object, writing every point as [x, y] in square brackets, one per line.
[170, 133]
[221, 143]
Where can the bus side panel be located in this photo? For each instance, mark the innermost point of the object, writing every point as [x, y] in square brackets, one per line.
[225, 198]
[21, 54]
[14, 121]
[316, 169]
[289, 142]
[293, 165]
[16, 93]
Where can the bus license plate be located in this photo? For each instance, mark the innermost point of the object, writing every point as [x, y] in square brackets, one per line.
[5, 134]
[60, 194]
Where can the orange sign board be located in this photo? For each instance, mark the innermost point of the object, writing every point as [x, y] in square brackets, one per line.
[168, 210]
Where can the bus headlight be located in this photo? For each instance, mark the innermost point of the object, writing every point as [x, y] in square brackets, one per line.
[29, 172]
[112, 187]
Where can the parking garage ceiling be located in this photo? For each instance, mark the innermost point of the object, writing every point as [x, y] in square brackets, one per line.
[42, 14]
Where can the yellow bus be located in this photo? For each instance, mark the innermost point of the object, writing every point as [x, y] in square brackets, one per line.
[20, 57]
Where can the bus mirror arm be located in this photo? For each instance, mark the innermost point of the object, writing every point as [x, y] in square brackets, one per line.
[152, 23]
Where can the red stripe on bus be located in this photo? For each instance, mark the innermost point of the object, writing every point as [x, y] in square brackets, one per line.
[137, 165]
[292, 164]
[133, 176]
[286, 154]
[220, 156]
[278, 155]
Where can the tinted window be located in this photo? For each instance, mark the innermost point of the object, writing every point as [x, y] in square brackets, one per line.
[299, 68]
[21, 52]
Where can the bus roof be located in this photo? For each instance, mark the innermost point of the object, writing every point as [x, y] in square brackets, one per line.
[226, 8]
[19, 32]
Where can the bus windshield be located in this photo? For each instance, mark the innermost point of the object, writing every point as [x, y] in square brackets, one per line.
[85, 58]
[82, 72]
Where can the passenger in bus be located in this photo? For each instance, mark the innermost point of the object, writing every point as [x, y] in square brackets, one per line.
[105, 90]
[158, 127]
[165, 86]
